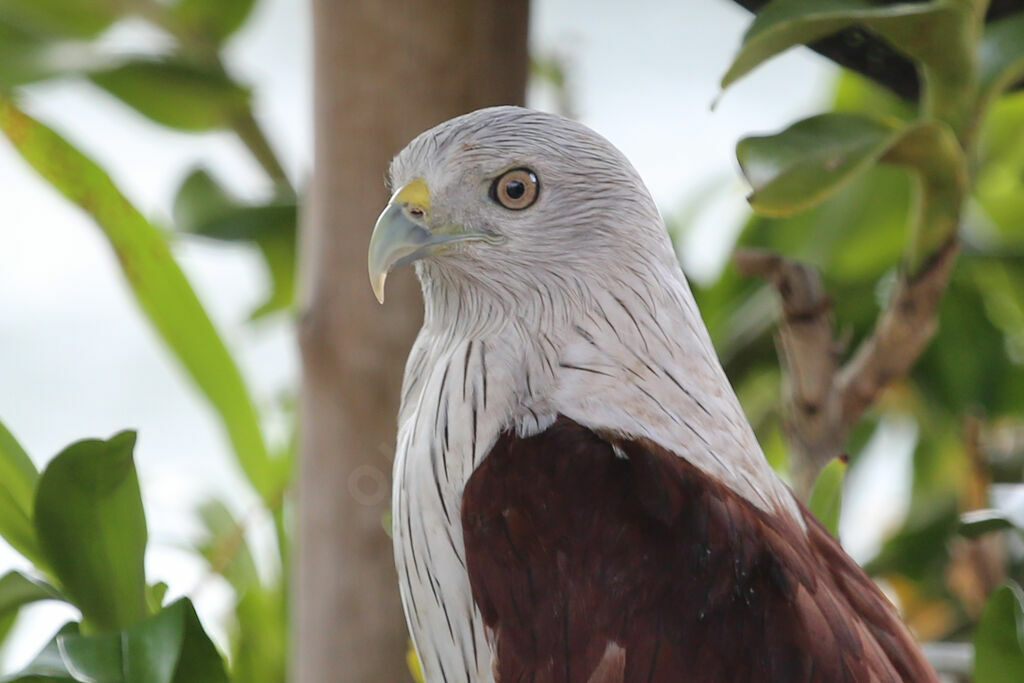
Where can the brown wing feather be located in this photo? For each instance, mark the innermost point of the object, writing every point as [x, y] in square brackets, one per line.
[573, 553]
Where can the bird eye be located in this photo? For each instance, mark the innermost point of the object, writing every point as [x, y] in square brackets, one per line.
[516, 189]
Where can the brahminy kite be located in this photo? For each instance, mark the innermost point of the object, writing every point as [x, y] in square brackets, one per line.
[578, 495]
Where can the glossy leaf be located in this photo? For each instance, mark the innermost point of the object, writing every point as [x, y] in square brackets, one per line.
[999, 638]
[17, 489]
[827, 495]
[213, 20]
[175, 94]
[47, 666]
[933, 32]
[169, 647]
[91, 526]
[1001, 55]
[60, 18]
[977, 523]
[156, 280]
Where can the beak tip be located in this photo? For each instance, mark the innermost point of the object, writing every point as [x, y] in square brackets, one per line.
[378, 286]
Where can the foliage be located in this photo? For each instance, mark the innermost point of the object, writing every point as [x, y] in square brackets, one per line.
[826, 192]
[81, 521]
[88, 520]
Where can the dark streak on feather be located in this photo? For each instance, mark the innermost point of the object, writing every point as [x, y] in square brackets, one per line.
[581, 368]
[686, 391]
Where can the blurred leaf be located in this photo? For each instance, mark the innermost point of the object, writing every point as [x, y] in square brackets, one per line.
[999, 187]
[215, 20]
[802, 165]
[977, 523]
[203, 207]
[1001, 56]
[224, 546]
[155, 594]
[18, 590]
[966, 365]
[169, 647]
[856, 93]
[279, 252]
[999, 638]
[60, 18]
[47, 666]
[17, 489]
[920, 546]
[6, 624]
[175, 93]
[827, 495]
[260, 643]
[157, 282]
[935, 33]
[90, 522]
[23, 57]
[259, 638]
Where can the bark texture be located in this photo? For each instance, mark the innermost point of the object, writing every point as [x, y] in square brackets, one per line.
[383, 73]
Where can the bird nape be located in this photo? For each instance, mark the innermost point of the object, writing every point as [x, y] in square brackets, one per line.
[578, 495]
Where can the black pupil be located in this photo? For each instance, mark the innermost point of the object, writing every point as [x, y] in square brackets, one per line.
[515, 189]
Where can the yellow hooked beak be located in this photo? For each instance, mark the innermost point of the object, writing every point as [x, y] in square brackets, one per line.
[403, 234]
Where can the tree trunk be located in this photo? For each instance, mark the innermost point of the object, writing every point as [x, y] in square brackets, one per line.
[384, 72]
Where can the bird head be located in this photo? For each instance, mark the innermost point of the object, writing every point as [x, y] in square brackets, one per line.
[504, 199]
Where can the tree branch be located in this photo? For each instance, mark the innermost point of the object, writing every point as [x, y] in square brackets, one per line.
[824, 401]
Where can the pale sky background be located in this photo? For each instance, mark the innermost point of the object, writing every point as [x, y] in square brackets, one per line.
[78, 360]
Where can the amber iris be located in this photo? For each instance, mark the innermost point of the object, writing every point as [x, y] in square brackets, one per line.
[516, 189]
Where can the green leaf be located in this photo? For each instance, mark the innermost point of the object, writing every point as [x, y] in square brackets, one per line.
[92, 527]
[279, 253]
[812, 159]
[224, 546]
[999, 186]
[155, 596]
[157, 282]
[999, 638]
[203, 207]
[17, 489]
[47, 666]
[259, 645]
[977, 523]
[213, 20]
[799, 167]
[935, 33]
[18, 590]
[919, 548]
[169, 647]
[1001, 56]
[827, 495]
[175, 93]
[60, 18]
[199, 661]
